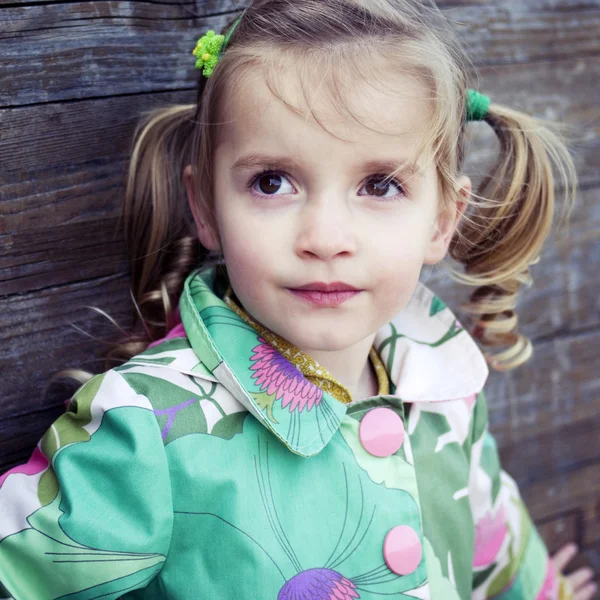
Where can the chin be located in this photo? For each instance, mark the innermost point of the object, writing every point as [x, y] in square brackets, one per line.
[323, 341]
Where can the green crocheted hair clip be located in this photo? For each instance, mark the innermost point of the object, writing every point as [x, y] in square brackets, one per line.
[210, 48]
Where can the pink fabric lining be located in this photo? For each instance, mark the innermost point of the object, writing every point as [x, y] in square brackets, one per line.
[36, 464]
[177, 331]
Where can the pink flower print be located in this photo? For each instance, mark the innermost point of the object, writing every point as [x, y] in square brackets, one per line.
[36, 464]
[470, 400]
[318, 584]
[489, 535]
[549, 589]
[276, 375]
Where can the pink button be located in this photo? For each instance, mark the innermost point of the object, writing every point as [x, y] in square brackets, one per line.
[381, 432]
[402, 550]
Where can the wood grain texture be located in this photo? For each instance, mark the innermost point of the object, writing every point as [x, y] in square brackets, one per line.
[94, 49]
[76, 75]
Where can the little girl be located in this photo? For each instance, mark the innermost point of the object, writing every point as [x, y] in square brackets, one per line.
[313, 425]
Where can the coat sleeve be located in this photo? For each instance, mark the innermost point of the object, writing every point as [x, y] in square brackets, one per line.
[510, 559]
[90, 515]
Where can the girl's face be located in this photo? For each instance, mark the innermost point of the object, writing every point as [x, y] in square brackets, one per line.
[296, 207]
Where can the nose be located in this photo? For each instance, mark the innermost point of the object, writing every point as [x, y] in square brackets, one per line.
[326, 230]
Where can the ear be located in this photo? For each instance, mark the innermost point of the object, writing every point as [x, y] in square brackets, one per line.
[446, 223]
[206, 235]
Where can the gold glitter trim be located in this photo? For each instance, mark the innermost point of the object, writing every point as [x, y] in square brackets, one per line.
[382, 376]
[309, 367]
[565, 591]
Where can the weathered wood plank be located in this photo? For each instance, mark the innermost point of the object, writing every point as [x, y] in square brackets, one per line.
[216, 5]
[560, 448]
[98, 48]
[58, 140]
[189, 7]
[80, 250]
[571, 526]
[559, 386]
[38, 340]
[575, 491]
[562, 528]
[66, 189]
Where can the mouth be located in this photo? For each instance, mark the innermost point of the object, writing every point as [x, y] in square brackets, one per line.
[319, 286]
[325, 294]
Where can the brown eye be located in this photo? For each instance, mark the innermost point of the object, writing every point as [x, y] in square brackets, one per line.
[270, 183]
[379, 186]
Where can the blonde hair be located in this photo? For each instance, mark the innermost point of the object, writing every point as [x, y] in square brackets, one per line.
[508, 218]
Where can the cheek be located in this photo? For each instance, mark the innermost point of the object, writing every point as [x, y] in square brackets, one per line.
[398, 267]
[402, 246]
[245, 250]
[249, 255]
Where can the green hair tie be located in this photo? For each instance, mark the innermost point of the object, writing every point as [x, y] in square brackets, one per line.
[477, 106]
[210, 47]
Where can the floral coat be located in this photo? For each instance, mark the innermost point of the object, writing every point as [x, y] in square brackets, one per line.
[208, 467]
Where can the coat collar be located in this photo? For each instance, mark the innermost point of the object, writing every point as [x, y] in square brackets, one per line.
[428, 356]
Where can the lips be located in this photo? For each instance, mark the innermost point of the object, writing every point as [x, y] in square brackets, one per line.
[325, 294]
[318, 286]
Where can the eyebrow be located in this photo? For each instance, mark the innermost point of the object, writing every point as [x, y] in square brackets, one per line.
[406, 168]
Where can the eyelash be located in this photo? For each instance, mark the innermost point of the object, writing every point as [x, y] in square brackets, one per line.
[254, 179]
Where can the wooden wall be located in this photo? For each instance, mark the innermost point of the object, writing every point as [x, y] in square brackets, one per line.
[74, 77]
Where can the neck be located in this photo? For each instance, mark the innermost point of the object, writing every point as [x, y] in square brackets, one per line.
[351, 367]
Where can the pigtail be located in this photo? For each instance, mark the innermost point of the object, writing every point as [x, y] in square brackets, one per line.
[161, 243]
[513, 215]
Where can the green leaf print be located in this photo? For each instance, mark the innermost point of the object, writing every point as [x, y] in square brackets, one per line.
[436, 306]
[230, 425]
[177, 409]
[108, 530]
[265, 403]
[67, 429]
[62, 556]
[482, 576]
[440, 586]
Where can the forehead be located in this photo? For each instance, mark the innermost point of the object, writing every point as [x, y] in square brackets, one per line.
[364, 114]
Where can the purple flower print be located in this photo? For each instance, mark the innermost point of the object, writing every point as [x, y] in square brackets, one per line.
[318, 584]
[172, 412]
[276, 375]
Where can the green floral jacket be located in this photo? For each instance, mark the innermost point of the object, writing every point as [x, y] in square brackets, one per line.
[208, 467]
